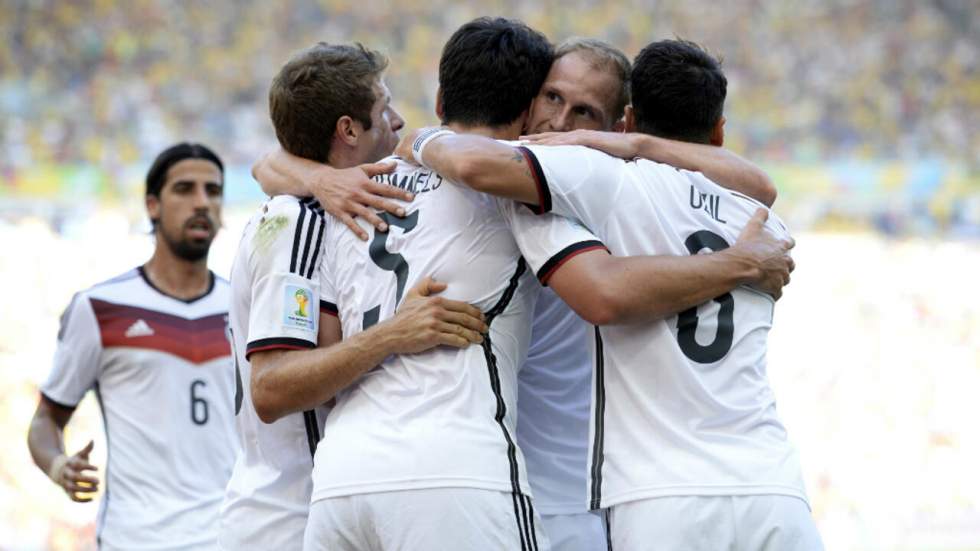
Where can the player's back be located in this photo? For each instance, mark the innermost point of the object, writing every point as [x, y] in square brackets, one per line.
[163, 377]
[445, 417]
[682, 406]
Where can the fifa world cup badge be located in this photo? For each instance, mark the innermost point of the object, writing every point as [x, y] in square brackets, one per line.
[297, 308]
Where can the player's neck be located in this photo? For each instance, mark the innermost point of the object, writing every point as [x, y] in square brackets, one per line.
[175, 276]
[507, 132]
[343, 157]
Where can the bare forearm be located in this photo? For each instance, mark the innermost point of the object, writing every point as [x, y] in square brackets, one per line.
[280, 173]
[609, 290]
[484, 165]
[720, 165]
[302, 380]
[654, 287]
[45, 440]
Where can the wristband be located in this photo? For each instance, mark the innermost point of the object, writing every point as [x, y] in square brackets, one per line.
[57, 466]
[423, 140]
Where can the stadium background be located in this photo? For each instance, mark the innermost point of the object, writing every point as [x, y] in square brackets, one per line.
[866, 113]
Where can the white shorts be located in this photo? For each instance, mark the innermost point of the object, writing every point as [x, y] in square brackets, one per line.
[436, 519]
[575, 532]
[712, 523]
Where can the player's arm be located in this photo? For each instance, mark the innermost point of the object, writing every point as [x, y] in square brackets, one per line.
[344, 193]
[605, 289]
[76, 369]
[285, 382]
[480, 163]
[720, 165]
[45, 439]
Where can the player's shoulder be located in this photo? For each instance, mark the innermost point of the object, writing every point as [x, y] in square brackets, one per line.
[281, 217]
[289, 208]
[573, 156]
[109, 289]
[220, 284]
[112, 284]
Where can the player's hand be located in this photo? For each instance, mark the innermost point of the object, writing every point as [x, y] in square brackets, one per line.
[404, 147]
[71, 475]
[768, 254]
[350, 192]
[616, 144]
[425, 321]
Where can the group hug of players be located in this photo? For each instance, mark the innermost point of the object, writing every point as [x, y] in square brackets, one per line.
[481, 343]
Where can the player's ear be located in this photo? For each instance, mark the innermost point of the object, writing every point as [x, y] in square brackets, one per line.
[629, 120]
[619, 126]
[347, 130]
[439, 104]
[153, 208]
[718, 132]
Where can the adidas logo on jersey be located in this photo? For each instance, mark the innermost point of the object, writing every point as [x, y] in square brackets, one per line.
[139, 329]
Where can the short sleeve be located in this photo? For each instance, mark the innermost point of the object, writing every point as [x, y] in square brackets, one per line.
[328, 289]
[284, 256]
[78, 357]
[547, 241]
[575, 181]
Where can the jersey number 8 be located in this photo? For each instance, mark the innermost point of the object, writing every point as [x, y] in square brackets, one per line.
[687, 321]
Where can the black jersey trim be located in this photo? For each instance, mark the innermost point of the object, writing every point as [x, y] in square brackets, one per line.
[517, 514]
[600, 410]
[211, 278]
[277, 343]
[517, 494]
[304, 264]
[544, 192]
[56, 402]
[100, 521]
[316, 248]
[532, 529]
[306, 246]
[566, 254]
[607, 525]
[297, 236]
[312, 431]
[327, 307]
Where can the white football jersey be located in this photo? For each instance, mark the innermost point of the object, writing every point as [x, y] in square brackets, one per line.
[162, 372]
[554, 385]
[275, 282]
[554, 393]
[681, 406]
[446, 417]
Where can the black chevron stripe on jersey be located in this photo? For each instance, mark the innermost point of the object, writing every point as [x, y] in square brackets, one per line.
[521, 505]
[600, 410]
[312, 430]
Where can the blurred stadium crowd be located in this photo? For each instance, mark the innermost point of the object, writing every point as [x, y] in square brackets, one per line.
[105, 82]
[865, 112]
[89, 90]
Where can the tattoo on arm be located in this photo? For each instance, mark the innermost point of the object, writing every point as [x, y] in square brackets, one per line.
[519, 158]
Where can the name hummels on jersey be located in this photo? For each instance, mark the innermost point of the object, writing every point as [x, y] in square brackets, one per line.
[419, 181]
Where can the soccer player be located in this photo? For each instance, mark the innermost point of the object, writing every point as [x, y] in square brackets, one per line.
[329, 104]
[687, 449]
[151, 343]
